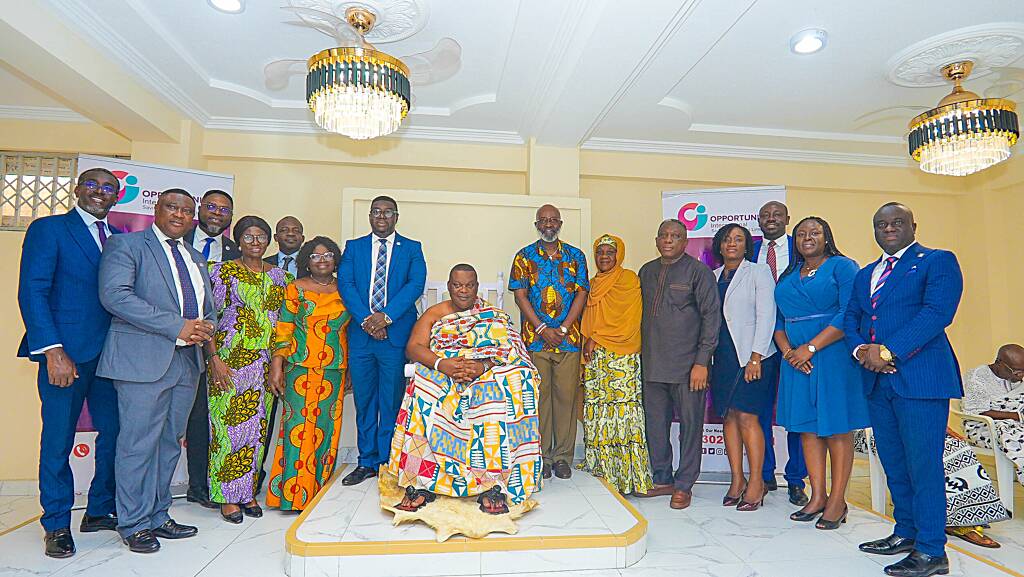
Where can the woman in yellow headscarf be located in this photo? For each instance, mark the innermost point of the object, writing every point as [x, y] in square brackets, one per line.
[613, 414]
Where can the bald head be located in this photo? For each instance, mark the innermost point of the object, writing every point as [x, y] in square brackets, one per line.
[549, 223]
[289, 235]
[895, 227]
[1010, 363]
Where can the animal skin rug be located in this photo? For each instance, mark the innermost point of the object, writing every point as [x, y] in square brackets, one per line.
[450, 515]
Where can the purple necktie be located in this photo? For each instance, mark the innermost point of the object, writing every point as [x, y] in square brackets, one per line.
[103, 233]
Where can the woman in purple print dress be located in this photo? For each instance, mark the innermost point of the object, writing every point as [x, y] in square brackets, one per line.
[247, 295]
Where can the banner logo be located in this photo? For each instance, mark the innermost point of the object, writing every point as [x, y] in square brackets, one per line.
[81, 450]
[129, 191]
[700, 218]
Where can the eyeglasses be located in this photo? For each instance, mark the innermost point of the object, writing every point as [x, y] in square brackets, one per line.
[1016, 372]
[386, 213]
[183, 210]
[93, 186]
[259, 238]
[221, 210]
[548, 221]
[318, 257]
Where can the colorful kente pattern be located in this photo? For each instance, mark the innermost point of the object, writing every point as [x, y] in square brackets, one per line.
[461, 439]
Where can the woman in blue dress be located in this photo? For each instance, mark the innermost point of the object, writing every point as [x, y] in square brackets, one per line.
[821, 394]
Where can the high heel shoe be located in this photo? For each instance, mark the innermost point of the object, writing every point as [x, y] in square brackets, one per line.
[803, 517]
[749, 506]
[826, 525]
[730, 501]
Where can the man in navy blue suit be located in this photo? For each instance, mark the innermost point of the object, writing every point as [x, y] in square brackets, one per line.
[380, 278]
[773, 218]
[64, 326]
[896, 328]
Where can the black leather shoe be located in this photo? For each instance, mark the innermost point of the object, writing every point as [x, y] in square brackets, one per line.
[797, 496]
[917, 564]
[59, 543]
[142, 542]
[546, 471]
[201, 500]
[173, 530]
[891, 545]
[254, 511]
[563, 470]
[771, 484]
[359, 475]
[91, 524]
[234, 517]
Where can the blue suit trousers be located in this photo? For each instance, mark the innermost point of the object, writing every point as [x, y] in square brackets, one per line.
[378, 384]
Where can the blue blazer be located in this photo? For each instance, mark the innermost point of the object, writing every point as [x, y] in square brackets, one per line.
[407, 275]
[914, 308]
[57, 289]
[792, 250]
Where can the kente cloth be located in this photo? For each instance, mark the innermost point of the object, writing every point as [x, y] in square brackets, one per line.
[460, 440]
[615, 306]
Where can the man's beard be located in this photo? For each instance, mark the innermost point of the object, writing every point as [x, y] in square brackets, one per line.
[216, 232]
[549, 237]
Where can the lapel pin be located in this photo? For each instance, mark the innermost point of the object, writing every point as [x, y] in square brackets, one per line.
[920, 254]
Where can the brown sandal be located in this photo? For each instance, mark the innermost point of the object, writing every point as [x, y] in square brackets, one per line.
[493, 501]
[412, 495]
[974, 537]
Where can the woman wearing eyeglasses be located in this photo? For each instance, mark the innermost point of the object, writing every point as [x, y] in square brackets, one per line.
[308, 372]
[247, 295]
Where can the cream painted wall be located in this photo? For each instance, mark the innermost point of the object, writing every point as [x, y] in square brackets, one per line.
[305, 176]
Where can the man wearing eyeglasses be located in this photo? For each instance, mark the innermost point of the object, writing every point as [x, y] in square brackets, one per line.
[380, 278]
[996, 390]
[60, 305]
[208, 238]
[158, 291]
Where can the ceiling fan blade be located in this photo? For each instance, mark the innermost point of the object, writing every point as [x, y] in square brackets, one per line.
[328, 24]
[277, 73]
[435, 65]
[867, 115]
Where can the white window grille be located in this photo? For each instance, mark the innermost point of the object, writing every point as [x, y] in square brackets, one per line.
[35, 185]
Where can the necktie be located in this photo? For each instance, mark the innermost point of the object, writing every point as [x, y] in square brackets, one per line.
[206, 248]
[379, 277]
[772, 260]
[189, 304]
[103, 233]
[876, 292]
[287, 264]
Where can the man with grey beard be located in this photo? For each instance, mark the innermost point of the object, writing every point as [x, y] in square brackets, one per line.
[550, 282]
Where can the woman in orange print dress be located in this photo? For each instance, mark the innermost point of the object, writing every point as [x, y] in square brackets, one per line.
[308, 373]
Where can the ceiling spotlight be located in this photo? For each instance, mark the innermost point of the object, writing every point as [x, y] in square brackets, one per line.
[228, 6]
[808, 41]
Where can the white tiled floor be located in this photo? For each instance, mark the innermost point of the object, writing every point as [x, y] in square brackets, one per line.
[705, 540]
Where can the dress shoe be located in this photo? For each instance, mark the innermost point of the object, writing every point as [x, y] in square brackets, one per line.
[563, 470]
[771, 484]
[59, 543]
[234, 517]
[546, 471]
[826, 525]
[657, 491]
[891, 545]
[917, 564]
[805, 516]
[680, 499]
[173, 530]
[142, 542]
[358, 475]
[92, 524]
[201, 500]
[254, 511]
[797, 496]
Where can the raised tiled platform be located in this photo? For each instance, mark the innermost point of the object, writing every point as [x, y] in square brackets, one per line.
[580, 524]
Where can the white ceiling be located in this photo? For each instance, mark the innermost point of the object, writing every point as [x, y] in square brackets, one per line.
[666, 75]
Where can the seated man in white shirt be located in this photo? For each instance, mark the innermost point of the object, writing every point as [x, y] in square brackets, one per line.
[997, 391]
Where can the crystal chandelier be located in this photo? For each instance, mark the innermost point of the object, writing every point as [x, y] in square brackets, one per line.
[964, 133]
[358, 91]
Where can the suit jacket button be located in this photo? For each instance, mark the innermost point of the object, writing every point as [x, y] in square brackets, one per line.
[874, 318]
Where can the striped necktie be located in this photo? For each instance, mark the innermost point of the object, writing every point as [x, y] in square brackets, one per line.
[379, 277]
[773, 260]
[890, 263]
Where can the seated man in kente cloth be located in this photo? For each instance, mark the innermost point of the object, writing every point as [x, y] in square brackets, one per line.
[468, 423]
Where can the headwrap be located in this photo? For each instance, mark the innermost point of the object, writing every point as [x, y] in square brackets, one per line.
[613, 311]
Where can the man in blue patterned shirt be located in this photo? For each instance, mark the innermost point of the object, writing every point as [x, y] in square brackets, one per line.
[550, 282]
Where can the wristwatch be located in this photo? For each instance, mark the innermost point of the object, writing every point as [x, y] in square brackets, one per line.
[564, 330]
[812, 348]
[885, 354]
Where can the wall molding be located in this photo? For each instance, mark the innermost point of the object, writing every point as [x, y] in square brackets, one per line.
[413, 132]
[41, 113]
[748, 152]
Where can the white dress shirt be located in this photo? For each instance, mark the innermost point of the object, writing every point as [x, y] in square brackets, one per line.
[90, 224]
[781, 253]
[880, 267]
[216, 247]
[389, 242]
[293, 266]
[193, 273]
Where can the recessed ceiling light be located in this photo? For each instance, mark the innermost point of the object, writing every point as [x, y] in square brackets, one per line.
[808, 41]
[229, 6]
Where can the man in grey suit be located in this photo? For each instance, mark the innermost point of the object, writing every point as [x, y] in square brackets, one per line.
[158, 291]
